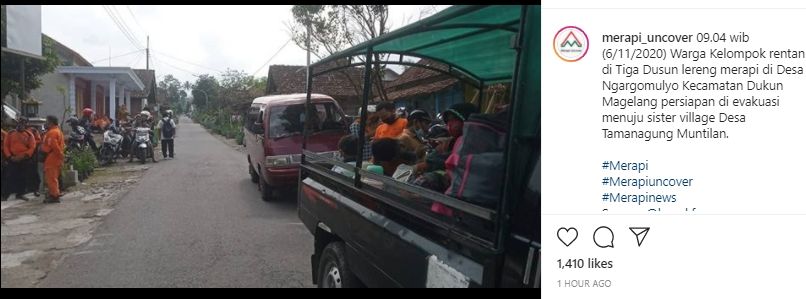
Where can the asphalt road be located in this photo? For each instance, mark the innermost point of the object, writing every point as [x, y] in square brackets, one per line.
[194, 221]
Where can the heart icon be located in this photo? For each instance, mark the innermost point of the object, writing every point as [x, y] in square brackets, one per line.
[567, 235]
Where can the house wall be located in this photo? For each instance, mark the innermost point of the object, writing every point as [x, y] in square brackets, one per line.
[82, 94]
[100, 100]
[348, 104]
[136, 107]
[53, 102]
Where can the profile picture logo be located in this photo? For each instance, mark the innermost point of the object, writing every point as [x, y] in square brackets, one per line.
[571, 43]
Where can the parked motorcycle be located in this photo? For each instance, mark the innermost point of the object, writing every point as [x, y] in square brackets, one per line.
[77, 139]
[128, 137]
[143, 148]
[112, 147]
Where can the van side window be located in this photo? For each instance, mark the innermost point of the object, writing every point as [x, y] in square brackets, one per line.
[252, 115]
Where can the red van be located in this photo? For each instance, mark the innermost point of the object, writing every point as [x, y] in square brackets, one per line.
[273, 130]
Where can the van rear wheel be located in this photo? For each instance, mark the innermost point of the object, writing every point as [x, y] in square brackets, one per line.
[333, 269]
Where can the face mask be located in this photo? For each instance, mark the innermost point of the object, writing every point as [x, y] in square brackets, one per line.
[455, 127]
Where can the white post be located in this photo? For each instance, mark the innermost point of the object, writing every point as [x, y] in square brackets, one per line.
[129, 101]
[121, 98]
[112, 104]
[71, 94]
[93, 91]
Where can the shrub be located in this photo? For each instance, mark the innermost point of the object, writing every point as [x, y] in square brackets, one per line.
[239, 137]
[83, 161]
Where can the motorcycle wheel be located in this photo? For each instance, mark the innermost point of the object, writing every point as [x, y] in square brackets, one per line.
[106, 156]
[142, 156]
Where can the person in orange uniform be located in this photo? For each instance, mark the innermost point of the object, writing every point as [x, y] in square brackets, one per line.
[34, 179]
[392, 125]
[53, 146]
[4, 191]
[19, 146]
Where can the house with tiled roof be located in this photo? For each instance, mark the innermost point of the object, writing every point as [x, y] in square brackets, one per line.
[146, 96]
[424, 89]
[434, 92]
[344, 85]
[76, 84]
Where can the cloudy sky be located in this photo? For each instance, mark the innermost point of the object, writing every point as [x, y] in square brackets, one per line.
[187, 40]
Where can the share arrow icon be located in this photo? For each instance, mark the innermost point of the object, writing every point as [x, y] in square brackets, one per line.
[640, 234]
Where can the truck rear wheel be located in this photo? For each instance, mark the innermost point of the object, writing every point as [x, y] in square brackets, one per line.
[333, 269]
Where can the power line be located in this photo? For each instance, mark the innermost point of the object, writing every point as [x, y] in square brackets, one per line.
[135, 20]
[173, 66]
[123, 27]
[120, 27]
[122, 30]
[188, 62]
[272, 57]
[121, 55]
[126, 25]
[136, 59]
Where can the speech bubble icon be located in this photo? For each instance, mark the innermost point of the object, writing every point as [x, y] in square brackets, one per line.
[603, 237]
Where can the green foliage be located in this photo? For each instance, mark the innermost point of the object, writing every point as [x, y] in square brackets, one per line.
[239, 137]
[220, 123]
[34, 69]
[83, 161]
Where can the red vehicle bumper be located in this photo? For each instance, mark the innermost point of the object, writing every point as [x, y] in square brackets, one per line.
[282, 176]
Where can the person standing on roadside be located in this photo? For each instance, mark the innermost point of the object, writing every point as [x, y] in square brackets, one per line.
[53, 147]
[19, 146]
[167, 128]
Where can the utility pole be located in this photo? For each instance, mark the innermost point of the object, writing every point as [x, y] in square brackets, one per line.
[23, 94]
[308, 61]
[147, 45]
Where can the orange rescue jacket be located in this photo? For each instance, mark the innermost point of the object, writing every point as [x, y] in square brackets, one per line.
[53, 145]
[19, 143]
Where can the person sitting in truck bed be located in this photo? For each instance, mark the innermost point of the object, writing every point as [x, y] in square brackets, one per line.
[386, 153]
[348, 146]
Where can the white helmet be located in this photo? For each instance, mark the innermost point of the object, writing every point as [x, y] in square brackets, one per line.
[145, 113]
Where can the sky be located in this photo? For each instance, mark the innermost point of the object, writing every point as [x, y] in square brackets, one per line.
[187, 40]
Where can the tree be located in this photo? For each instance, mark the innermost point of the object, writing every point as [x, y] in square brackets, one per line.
[171, 87]
[34, 69]
[336, 27]
[206, 91]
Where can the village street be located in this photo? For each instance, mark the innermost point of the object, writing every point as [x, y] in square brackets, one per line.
[193, 221]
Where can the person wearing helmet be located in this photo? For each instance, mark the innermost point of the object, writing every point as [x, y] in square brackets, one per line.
[143, 120]
[413, 137]
[401, 112]
[455, 117]
[445, 138]
[86, 123]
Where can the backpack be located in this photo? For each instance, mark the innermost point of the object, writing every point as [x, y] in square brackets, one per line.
[168, 130]
[475, 167]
